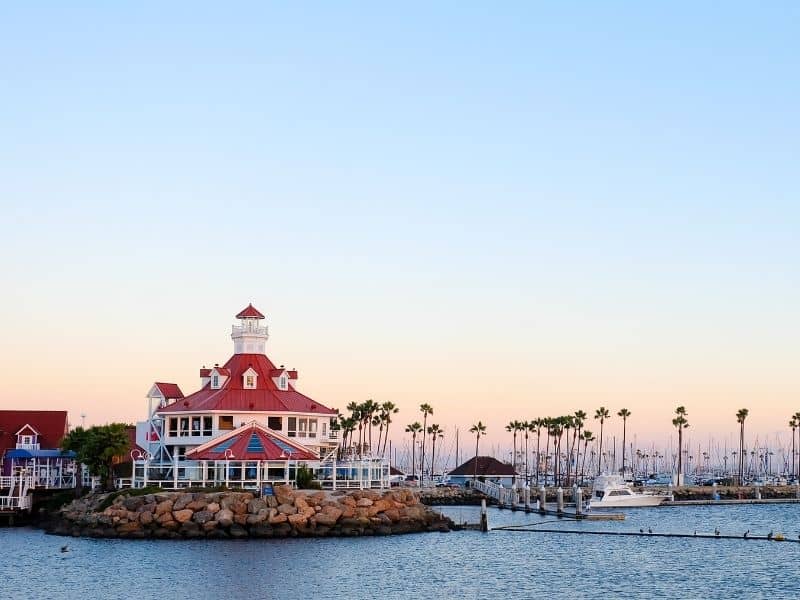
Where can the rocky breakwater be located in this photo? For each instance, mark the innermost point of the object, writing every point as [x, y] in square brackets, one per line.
[289, 513]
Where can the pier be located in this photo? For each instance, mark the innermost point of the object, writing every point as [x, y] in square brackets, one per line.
[15, 496]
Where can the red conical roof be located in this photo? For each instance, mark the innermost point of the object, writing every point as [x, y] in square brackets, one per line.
[250, 313]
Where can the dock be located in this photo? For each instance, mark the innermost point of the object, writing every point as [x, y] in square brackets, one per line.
[519, 498]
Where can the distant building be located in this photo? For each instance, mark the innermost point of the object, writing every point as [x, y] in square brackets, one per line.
[31, 440]
[488, 468]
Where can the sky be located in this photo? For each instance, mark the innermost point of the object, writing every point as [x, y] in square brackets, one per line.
[506, 211]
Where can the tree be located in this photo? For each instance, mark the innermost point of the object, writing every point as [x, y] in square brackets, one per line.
[601, 414]
[98, 447]
[387, 410]
[514, 426]
[537, 425]
[796, 417]
[624, 413]
[793, 425]
[588, 436]
[478, 429]
[526, 427]
[414, 429]
[434, 431]
[741, 415]
[426, 410]
[580, 417]
[680, 422]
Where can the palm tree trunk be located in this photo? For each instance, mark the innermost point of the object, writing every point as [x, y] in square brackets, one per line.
[600, 450]
[475, 471]
[624, 421]
[413, 455]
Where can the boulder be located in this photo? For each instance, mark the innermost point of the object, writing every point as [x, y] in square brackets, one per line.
[287, 509]
[146, 518]
[298, 520]
[224, 517]
[275, 517]
[198, 504]
[213, 507]
[181, 516]
[203, 516]
[133, 503]
[182, 501]
[163, 507]
[328, 515]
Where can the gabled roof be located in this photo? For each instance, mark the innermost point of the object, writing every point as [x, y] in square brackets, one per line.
[222, 371]
[488, 466]
[233, 396]
[51, 425]
[251, 442]
[170, 391]
[29, 428]
[250, 313]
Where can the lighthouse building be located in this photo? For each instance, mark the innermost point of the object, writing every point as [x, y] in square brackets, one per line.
[247, 425]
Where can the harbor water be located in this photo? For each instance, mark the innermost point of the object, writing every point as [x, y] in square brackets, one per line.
[465, 564]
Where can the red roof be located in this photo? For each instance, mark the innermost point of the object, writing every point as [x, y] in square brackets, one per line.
[205, 372]
[171, 391]
[250, 313]
[232, 396]
[251, 442]
[222, 371]
[51, 425]
[488, 466]
[292, 374]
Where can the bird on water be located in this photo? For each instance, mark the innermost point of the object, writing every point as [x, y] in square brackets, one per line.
[65, 548]
[746, 533]
[716, 531]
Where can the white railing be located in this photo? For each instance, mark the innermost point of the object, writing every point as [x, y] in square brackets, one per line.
[502, 494]
[6, 481]
[28, 447]
[15, 503]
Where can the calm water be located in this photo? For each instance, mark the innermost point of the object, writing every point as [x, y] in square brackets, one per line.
[455, 565]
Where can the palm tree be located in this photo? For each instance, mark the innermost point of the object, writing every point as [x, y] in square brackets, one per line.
[588, 436]
[580, 416]
[434, 431]
[478, 429]
[796, 417]
[624, 413]
[414, 429]
[514, 426]
[387, 410]
[793, 425]
[526, 427]
[426, 410]
[602, 414]
[369, 408]
[537, 423]
[680, 423]
[741, 415]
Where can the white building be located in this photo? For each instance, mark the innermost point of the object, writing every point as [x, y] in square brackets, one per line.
[247, 398]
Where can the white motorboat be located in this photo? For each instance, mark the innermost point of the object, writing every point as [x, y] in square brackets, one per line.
[611, 491]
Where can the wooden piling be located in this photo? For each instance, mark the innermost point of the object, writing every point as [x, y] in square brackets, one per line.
[484, 516]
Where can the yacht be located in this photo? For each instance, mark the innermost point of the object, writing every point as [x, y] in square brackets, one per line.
[611, 491]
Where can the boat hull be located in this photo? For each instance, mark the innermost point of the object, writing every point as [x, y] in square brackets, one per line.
[628, 502]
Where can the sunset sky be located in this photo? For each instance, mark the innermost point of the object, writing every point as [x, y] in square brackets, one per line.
[506, 211]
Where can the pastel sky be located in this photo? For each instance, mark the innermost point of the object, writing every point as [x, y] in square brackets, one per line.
[504, 210]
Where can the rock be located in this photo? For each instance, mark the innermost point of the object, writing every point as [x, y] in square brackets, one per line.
[239, 508]
[275, 517]
[146, 518]
[133, 503]
[287, 509]
[128, 527]
[237, 531]
[182, 516]
[240, 519]
[224, 517]
[203, 516]
[213, 507]
[328, 515]
[209, 525]
[298, 520]
[256, 505]
[182, 501]
[256, 519]
[393, 514]
[272, 502]
[163, 507]
[197, 505]
[284, 494]
[165, 518]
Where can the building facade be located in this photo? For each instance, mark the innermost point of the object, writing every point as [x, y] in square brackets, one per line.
[197, 439]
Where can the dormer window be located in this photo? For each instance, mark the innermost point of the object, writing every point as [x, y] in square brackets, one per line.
[283, 382]
[250, 379]
[215, 381]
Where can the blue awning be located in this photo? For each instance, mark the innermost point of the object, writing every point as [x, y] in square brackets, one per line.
[19, 453]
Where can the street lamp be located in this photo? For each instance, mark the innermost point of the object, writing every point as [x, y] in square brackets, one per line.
[228, 456]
